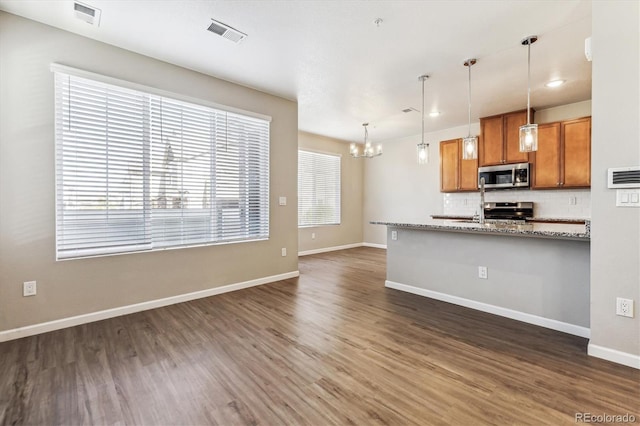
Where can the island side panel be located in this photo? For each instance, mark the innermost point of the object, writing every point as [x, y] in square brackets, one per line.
[548, 278]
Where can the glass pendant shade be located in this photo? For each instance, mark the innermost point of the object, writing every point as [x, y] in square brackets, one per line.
[423, 148]
[470, 143]
[470, 148]
[423, 153]
[529, 132]
[529, 138]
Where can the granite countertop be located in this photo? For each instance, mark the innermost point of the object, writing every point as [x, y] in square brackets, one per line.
[532, 219]
[559, 229]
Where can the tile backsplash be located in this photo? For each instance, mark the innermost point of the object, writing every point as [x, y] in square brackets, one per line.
[570, 204]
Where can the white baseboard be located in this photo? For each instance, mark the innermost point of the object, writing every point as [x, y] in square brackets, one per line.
[327, 249]
[496, 310]
[380, 246]
[613, 355]
[44, 327]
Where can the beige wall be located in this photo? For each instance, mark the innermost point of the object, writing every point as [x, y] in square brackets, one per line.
[27, 201]
[563, 112]
[615, 234]
[397, 189]
[350, 229]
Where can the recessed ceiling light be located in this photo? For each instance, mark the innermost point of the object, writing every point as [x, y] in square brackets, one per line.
[555, 83]
[434, 113]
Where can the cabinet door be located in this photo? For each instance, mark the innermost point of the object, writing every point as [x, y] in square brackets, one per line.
[546, 160]
[512, 123]
[468, 172]
[576, 137]
[490, 149]
[449, 154]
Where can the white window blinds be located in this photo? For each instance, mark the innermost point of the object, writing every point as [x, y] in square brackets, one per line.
[138, 171]
[318, 189]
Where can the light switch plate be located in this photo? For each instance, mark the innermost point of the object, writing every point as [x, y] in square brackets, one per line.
[628, 197]
[282, 201]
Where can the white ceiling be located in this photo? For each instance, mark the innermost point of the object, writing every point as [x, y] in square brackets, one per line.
[343, 69]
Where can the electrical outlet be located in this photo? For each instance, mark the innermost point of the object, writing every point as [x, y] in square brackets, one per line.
[624, 307]
[29, 288]
[313, 235]
[394, 235]
[284, 252]
[573, 201]
[483, 272]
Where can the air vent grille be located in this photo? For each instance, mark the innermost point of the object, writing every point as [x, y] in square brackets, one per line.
[624, 177]
[84, 9]
[226, 31]
[86, 13]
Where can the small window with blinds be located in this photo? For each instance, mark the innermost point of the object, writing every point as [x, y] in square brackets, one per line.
[318, 189]
[137, 171]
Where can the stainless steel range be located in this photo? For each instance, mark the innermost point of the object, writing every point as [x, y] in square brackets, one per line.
[514, 210]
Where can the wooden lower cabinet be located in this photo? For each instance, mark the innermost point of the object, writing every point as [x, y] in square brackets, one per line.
[456, 174]
[563, 159]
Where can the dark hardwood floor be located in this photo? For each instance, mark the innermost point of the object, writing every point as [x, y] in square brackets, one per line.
[331, 347]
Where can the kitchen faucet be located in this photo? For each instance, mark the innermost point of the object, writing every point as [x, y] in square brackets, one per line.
[482, 200]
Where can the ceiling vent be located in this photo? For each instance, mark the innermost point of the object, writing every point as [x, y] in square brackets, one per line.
[624, 177]
[86, 13]
[226, 31]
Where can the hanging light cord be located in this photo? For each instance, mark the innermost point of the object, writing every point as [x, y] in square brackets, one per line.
[423, 78]
[469, 97]
[528, 81]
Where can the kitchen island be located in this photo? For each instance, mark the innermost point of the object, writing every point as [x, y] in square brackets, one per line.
[536, 272]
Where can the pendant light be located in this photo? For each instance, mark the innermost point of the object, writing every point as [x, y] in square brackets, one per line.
[368, 151]
[470, 143]
[529, 132]
[423, 148]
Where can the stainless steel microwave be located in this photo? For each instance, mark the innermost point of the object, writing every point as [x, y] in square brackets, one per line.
[505, 176]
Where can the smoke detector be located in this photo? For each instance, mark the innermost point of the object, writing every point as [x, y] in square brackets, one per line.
[226, 31]
[87, 13]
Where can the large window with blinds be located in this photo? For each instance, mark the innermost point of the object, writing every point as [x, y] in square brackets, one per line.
[138, 171]
[318, 188]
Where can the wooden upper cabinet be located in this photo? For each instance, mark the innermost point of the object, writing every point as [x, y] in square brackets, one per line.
[576, 153]
[499, 139]
[512, 123]
[490, 147]
[546, 160]
[468, 173]
[563, 159]
[449, 165]
[456, 174]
